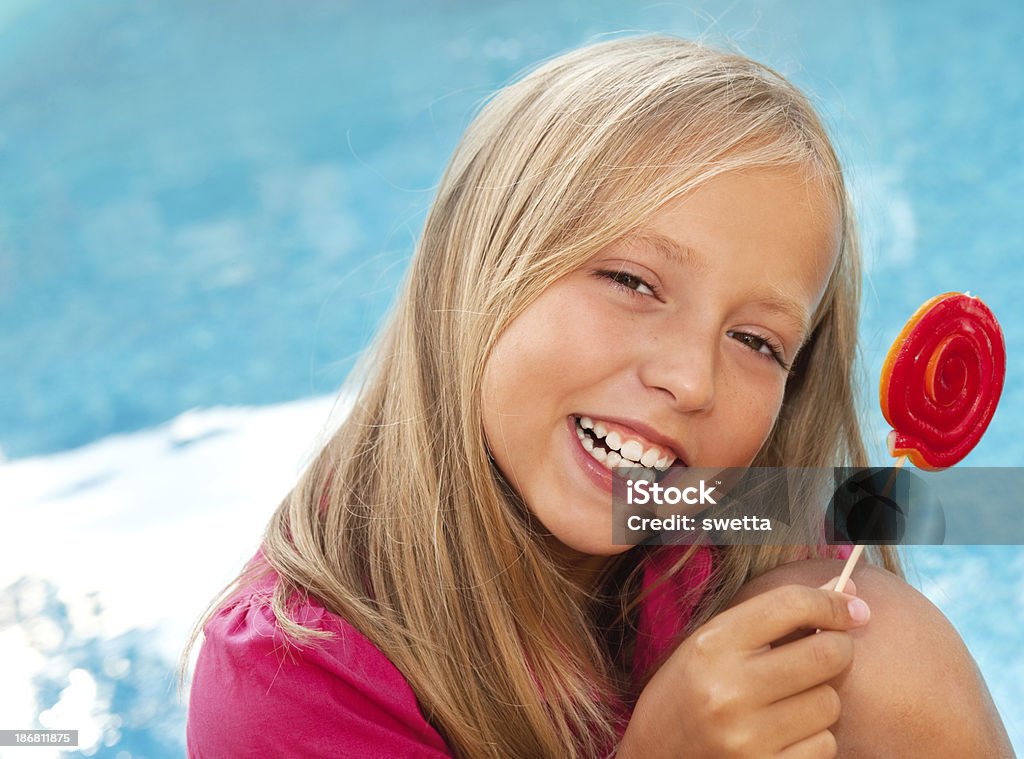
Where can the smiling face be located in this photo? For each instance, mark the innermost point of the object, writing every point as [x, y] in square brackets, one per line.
[670, 344]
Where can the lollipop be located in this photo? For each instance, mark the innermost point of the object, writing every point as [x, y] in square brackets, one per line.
[942, 379]
[940, 385]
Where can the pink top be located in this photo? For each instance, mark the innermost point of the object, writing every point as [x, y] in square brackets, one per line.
[344, 698]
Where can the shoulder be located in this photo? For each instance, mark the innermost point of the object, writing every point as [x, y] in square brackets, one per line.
[911, 671]
[257, 693]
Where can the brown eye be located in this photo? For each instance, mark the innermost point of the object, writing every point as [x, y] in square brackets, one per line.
[753, 342]
[633, 284]
[762, 346]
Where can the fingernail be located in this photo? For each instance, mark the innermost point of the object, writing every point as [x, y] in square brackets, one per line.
[859, 610]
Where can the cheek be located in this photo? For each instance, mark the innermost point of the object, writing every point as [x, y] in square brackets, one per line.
[516, 383]
[515, 367]
[756, 410]
[495, 400]
[772, 406]
[547, 353]
[775, 406]
[770, 414]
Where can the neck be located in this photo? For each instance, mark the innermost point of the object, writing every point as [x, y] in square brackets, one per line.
[585, 571]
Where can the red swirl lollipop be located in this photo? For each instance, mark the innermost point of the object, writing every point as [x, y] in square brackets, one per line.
[940, 385]
[942, 379]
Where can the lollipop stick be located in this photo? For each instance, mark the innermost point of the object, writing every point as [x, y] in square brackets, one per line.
[848, 569]
[859, 548]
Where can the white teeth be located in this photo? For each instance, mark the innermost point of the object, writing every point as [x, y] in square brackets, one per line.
[645, 474]
[651, 457]
[632, 450]
[631, 454]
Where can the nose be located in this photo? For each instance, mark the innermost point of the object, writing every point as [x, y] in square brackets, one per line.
[683, 369]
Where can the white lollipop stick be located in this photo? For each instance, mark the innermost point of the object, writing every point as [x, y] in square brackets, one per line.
[859, 548]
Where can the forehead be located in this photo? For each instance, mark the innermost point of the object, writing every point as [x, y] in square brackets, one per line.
[779, 226]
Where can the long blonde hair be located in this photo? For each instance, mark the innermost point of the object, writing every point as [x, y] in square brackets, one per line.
[404, 526]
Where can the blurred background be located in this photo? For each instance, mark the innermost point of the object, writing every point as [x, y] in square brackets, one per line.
[205, 209]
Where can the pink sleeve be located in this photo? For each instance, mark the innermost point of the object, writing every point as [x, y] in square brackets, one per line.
[668, 605]
[253, 695]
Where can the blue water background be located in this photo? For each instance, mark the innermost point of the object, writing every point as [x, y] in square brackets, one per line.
[210, 204]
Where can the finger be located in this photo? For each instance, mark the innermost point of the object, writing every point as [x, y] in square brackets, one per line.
[800, 716]
[818, 746]
[753, 624]
[850, 589]
[801, 665]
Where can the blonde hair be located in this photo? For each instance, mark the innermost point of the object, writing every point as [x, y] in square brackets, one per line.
[403, 525]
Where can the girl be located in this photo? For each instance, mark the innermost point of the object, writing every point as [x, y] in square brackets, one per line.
[648, 244]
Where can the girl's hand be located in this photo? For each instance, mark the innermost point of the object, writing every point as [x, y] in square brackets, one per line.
[727, 692]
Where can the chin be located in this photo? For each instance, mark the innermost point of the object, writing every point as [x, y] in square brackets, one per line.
[594, 547]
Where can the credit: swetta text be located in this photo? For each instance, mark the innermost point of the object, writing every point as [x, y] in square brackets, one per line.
[643, 492]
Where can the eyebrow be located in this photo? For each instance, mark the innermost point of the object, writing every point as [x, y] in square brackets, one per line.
[667, 247]
[775, 301]
[779, 303]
